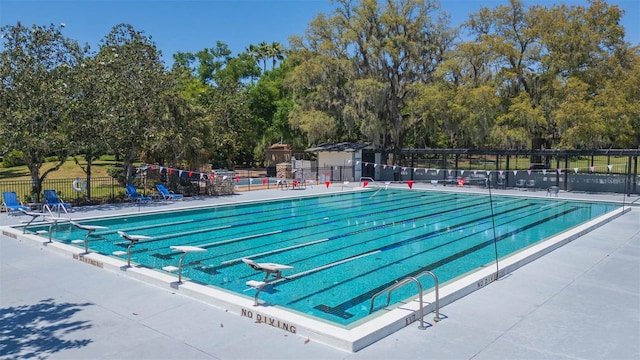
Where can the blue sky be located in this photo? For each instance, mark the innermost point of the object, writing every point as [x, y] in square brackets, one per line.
[192, 25]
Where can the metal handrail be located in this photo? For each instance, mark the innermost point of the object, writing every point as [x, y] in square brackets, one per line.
[435, 280]
[406, 281]
[395, 286]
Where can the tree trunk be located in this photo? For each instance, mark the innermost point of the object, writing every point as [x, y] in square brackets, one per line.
[89, 161]
[36, 184]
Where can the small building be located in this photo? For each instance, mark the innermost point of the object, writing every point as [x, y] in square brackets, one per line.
[279, 154]
[345, 157]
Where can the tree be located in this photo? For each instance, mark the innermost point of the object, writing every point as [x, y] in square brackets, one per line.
[264, 53]
[276, 53]
[269, 102]
[554, 68]
[587, 67]
[358, 67]
[222, 103]
[178, 140]
[35, 68]
[134, 85]
[85, 124]
[205, 63]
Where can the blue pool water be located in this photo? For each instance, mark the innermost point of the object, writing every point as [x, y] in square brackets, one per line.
[343, 247]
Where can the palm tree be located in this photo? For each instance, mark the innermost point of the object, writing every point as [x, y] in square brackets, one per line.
[254, 52]
[263, 54]
[276, 53]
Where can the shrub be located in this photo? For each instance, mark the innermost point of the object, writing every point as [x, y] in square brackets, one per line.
[12, 159]
[119, 174]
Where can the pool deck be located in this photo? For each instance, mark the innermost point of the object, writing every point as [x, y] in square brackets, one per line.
[581, 301]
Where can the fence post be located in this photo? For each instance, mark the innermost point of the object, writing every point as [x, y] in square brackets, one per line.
[628, 175]
[444, 166]
[558, 175]
[635, 173]
[566, 172]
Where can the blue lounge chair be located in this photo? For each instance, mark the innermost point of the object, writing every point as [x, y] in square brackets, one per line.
[166, 194]
[11, 203]
[133, 195]
[52, 201]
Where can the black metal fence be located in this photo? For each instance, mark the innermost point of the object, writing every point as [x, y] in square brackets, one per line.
[596, 171]
[103, 190]
[613, 170]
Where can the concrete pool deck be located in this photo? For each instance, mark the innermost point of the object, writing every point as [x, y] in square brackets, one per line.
[579, 301]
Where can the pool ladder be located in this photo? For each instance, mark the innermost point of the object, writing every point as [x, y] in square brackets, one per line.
[367, 179]
[372, 185]
[406, 281]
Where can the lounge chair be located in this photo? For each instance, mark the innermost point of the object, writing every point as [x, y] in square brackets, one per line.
[521, 183]
[167, 194]
[11, 203]
[133, 195]
[52, 201]
[531, 184]
[450, 180]
[553, 190]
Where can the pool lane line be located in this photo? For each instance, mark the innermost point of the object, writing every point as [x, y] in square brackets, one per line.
[204, 246]
[169, 256]
[430, 198]
[184, 233]
[242, 238]
[449, 242]
[375, 227]
[320, 222]
[409, 240]
[279, 250]
[333, 264]
[426, 235]
[216, 217]
[331, 237]
[438, 232]
[164, 237]
[267, 217]
[239, 260]
[342, 307]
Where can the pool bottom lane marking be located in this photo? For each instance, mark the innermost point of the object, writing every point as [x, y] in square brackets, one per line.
[340, 309]
[162, 256]
[281, 250]
[382, 248]
[294, 228]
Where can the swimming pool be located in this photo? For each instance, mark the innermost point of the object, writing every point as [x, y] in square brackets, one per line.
[343, 247]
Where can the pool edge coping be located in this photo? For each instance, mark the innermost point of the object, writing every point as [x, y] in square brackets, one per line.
[352, 339]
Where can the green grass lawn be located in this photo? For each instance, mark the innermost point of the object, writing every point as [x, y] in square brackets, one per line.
[69, 170]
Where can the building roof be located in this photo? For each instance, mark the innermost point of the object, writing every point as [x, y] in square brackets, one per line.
[341, 147]
[280, 146]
